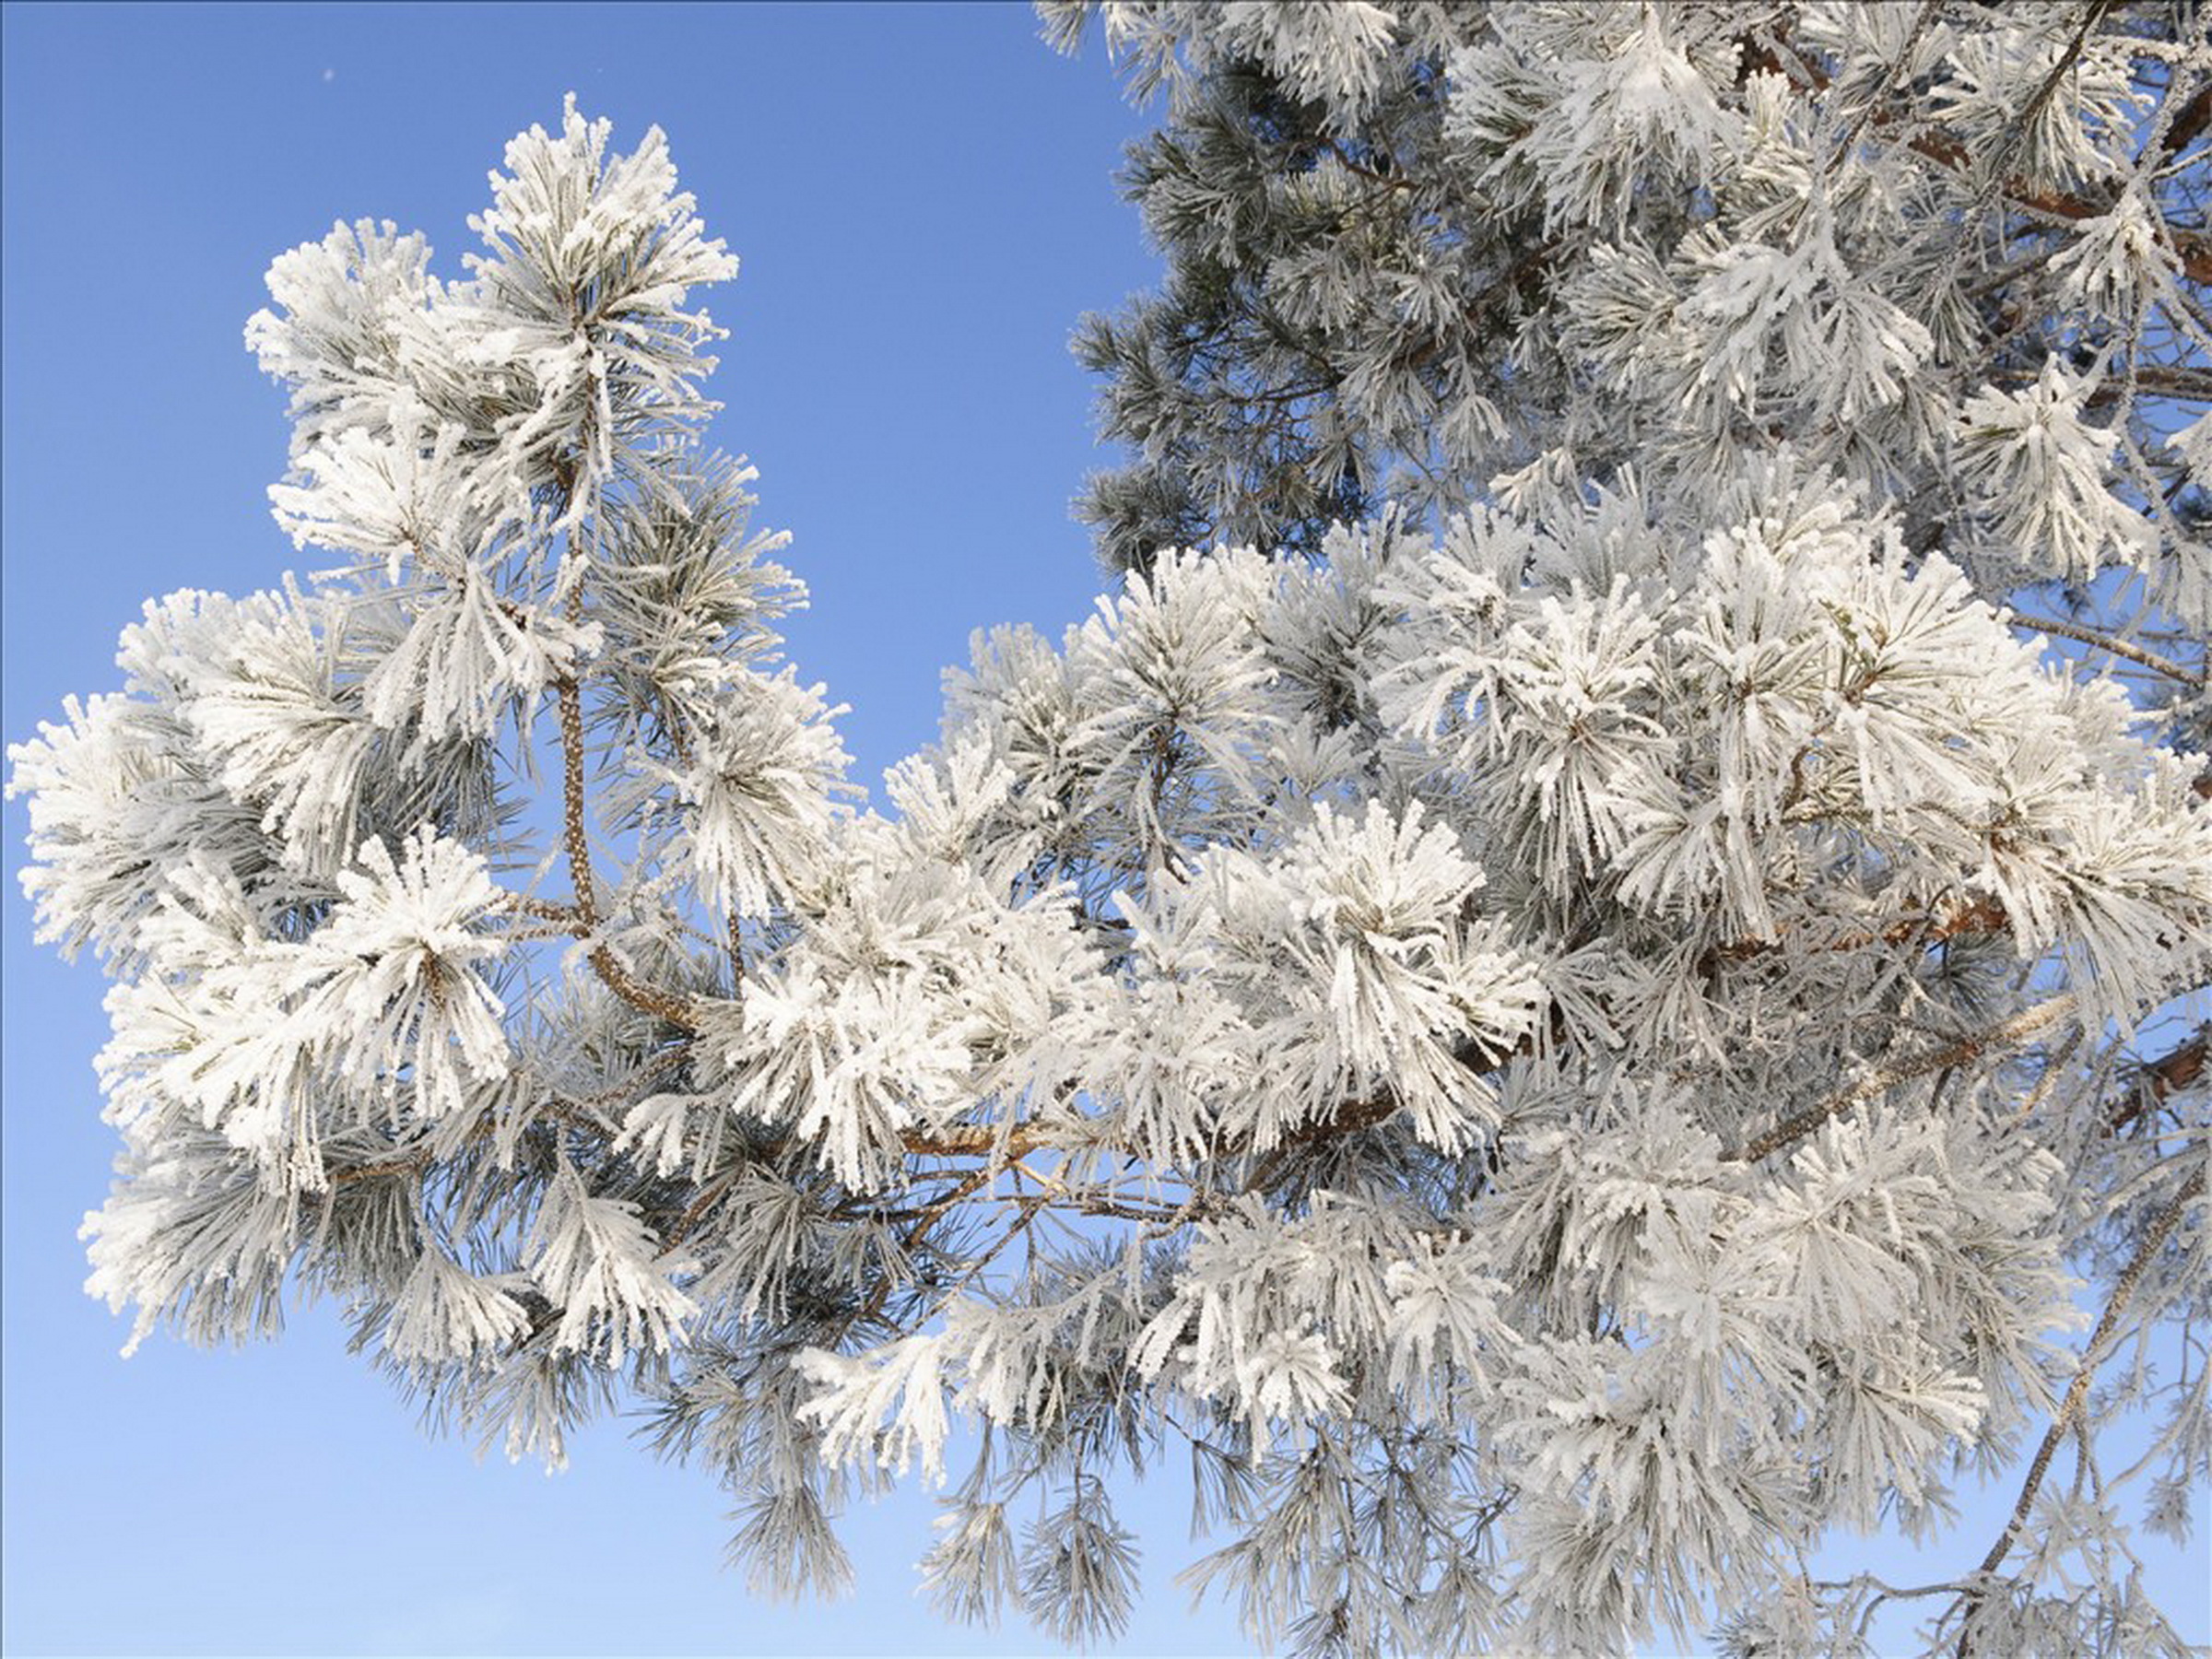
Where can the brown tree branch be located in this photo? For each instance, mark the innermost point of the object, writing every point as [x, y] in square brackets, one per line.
[2157, 1078]
[568, 696]
[2160, 380]
[2192, 120]
[677, 1010]
[542, 909]
[2193, 249]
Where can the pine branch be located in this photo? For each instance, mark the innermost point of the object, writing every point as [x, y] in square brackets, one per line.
[569, 695]
[2183, 382]
[2193, 249]
[2070, 1411]
[2191, 120]
[676, 1010]
[1983, 915]
[586, 1113]
[542, 910]
[2021, 1028]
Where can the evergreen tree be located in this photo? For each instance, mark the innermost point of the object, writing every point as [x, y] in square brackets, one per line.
[1571, 1020]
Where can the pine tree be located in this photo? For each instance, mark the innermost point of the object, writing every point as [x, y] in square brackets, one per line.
[1570, 1017]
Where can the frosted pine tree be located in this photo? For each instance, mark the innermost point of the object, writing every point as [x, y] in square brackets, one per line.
[1575, 1016]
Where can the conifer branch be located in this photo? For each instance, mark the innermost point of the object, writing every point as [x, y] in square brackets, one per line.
[568, 696]
[1977, 915]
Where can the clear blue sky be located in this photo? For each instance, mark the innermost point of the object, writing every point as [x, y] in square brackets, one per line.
[922, 199]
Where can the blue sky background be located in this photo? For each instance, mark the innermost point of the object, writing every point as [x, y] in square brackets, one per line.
[922, 199]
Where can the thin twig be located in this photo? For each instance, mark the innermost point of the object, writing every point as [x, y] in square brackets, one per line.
[2078, 1393]
[2119, 648]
